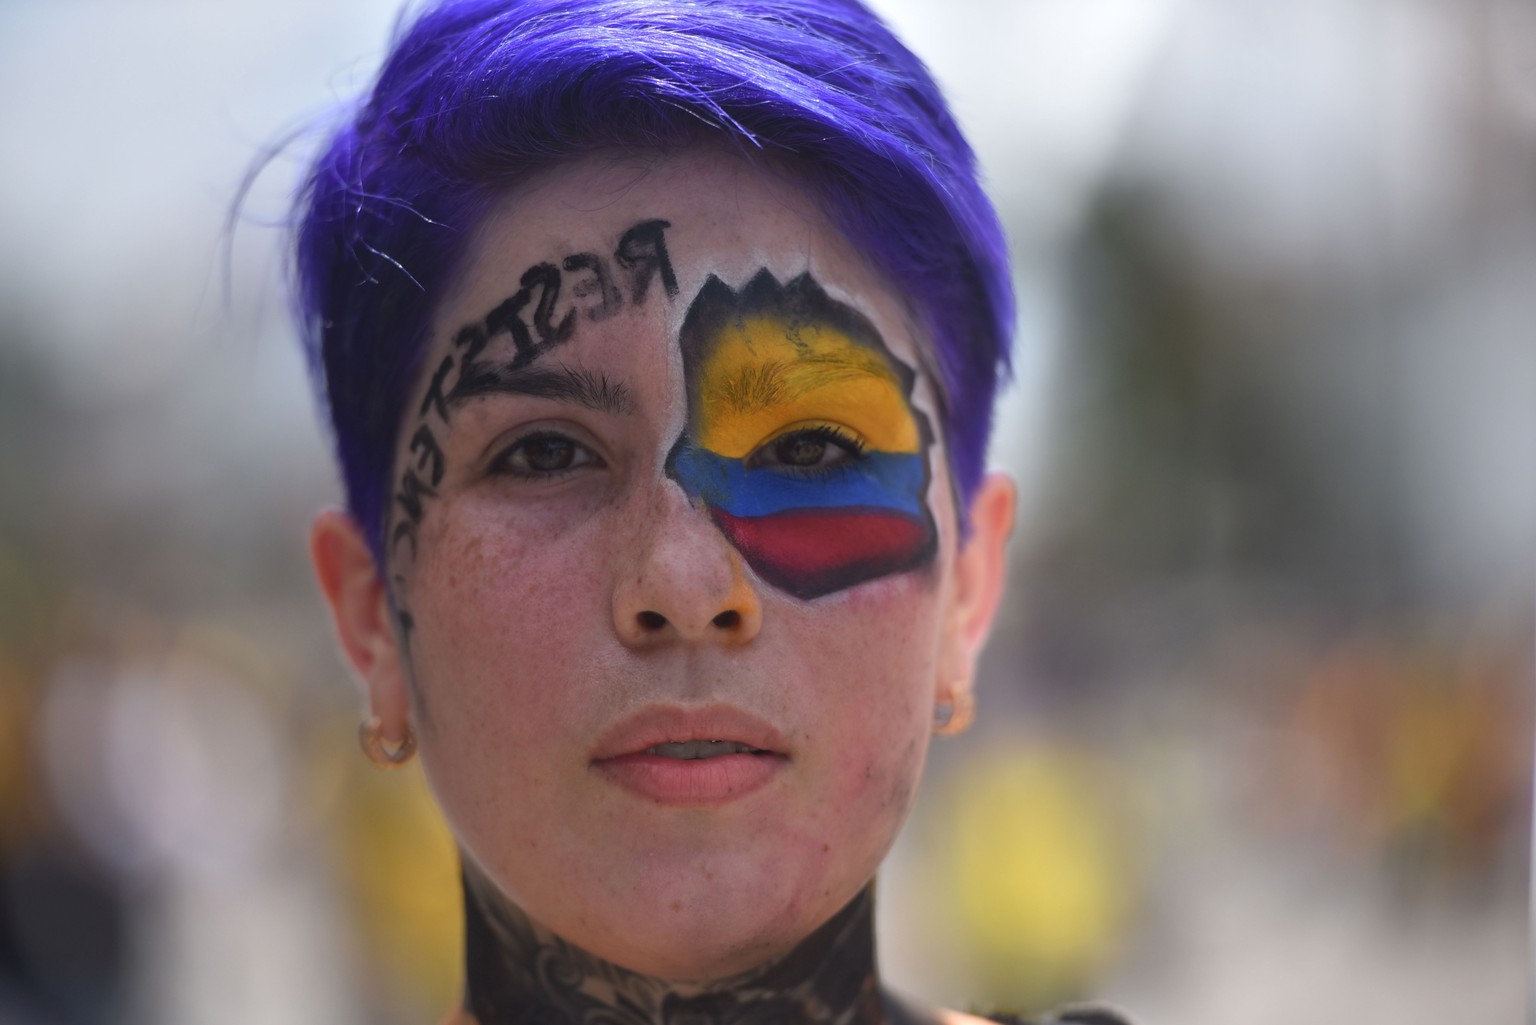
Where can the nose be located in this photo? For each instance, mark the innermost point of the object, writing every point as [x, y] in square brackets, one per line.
[682, 580]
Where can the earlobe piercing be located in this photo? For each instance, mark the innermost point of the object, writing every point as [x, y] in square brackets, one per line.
[370, 734]
[954, 714]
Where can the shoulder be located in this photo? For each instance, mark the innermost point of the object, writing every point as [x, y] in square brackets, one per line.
[958, 1018]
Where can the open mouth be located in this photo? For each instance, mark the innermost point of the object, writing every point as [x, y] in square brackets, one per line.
[691, 750]
[691, 757]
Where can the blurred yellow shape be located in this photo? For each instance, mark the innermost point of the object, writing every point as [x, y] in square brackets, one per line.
[404, 871]
[14, 715]
[1041, 884]
[1427, 744]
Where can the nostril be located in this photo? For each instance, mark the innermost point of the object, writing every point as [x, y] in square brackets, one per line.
[727, 619]
[651, 620]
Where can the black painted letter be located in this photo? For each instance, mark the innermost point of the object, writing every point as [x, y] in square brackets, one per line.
[429, 454]
[546, 277]
[505, 318]
[601, 284]
[643, 251]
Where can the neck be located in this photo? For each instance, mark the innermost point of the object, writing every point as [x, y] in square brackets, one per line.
[517, 971]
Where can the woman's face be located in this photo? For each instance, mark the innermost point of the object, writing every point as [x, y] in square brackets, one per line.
[672, 552]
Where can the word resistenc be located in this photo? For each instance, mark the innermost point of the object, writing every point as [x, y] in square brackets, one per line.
[529, 318]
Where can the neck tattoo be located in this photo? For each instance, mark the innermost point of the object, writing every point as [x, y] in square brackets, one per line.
[517, 973]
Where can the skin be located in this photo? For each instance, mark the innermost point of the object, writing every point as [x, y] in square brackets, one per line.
[525, 614]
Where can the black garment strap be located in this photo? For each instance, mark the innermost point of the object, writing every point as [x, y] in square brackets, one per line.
[1067, 1016]
[901, 1011]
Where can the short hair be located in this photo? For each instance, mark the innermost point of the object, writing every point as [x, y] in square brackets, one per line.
[477, 95]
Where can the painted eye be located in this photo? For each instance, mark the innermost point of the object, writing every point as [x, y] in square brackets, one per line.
[544, 454]
[809, 448]
[801, 449]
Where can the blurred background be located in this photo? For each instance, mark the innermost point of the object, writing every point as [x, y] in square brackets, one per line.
[1255, 731]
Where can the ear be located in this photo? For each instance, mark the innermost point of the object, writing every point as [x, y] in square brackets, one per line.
[980, 568]
[360, 612]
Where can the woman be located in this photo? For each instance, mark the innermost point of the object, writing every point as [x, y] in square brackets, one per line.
[659, 340]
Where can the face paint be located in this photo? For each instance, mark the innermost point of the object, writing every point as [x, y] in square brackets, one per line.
[801, 437]
[528, 317]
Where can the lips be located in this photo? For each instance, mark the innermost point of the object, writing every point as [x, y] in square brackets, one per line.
[691, 757]
[692, 750]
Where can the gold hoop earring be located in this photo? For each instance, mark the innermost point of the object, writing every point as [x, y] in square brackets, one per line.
[954, 715]
[370, 735]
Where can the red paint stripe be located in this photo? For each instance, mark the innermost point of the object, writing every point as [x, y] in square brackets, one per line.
[815, 552]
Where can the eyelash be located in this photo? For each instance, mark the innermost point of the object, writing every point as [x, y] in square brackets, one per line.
[836, 435]
[502, 465]
[851, 444]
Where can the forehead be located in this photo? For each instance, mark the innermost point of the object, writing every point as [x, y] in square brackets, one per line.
[724, 217]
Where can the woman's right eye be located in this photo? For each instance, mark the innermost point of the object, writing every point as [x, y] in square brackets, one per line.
[542, 455]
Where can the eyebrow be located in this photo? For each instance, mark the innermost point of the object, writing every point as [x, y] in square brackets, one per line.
[561, 383]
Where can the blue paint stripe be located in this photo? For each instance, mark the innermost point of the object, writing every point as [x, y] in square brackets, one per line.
[874, 480]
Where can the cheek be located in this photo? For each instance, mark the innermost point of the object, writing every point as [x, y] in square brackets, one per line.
[512, 634]
[876, 650]
[502, 613]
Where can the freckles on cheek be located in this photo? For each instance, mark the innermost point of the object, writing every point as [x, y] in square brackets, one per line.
[870, 794]
[884, 707]
[472, 586]
[884, 778]
[895, 621]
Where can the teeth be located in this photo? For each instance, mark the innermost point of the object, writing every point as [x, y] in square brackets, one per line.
[691, 749]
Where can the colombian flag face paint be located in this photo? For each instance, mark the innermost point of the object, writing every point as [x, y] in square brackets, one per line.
[801, 437]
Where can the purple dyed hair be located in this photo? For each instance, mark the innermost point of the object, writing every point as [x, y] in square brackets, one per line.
[477, 95]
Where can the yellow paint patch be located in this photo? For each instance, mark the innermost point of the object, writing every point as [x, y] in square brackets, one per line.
[762, 377]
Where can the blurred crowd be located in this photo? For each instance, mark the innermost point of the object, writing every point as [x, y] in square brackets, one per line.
[1255, 738]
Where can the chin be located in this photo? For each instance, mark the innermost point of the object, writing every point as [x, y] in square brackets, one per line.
[708, 917]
